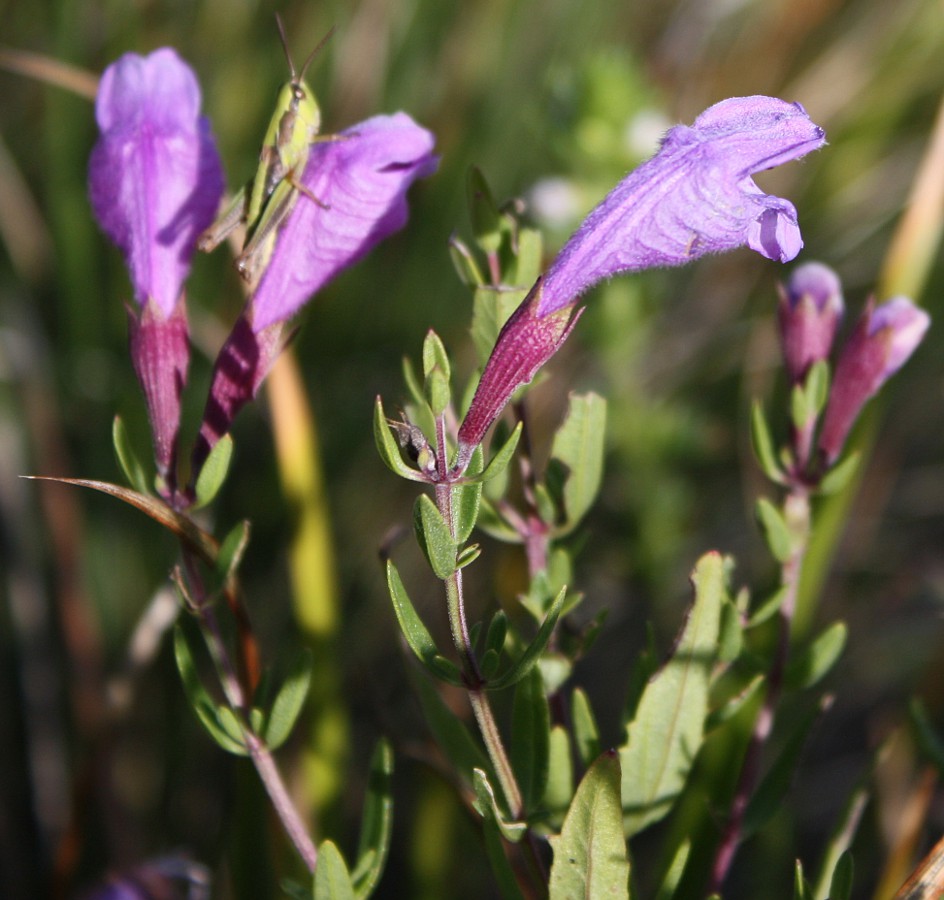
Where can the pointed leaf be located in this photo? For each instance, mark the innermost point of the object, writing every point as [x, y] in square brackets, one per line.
[817, 658]
[389, 450]
[668, 728]
[590, 853]
[332, 881]
[578, 444]
[768, 608]
[231, 551]
[730, 709]
[434, 537]
[499, 462]
[213, 473]
[527, 660]
[816, 386]
[840, 887]
[466, 498]
[376, 823]
[465, 264]
[494, 844]
[289, 701]
[487, 806]
[491, 308]
[435, 356]
[486, 223]
[801, 887]
[586, 733]
[763, 445]
[775, 529]
[530, 739]
[560, 774]
[128, 460]
[731, 637]
[673, 876]
[417, 637]
[840, 475]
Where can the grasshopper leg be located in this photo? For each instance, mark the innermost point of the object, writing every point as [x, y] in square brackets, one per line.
[225, 224]
[257, 250]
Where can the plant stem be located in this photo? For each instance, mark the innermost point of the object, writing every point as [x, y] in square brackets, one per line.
[797, 514]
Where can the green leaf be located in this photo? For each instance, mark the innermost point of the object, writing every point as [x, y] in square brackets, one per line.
[817, 658]
[527, 264]
[417, 637]
[499, 462]
[801, 887]
[840, 475]
[840, 887]
[466, 499]
[491, 308]
[532, 654]
[768, 798]
[560, 773]
[438, 392]
[775, 529]
[128, 460]
[434, 537]
[729, 710]
[465, 264]
[817, 386]
[668, 727]
[530, 739]
[497, 632]
[231, 551]
[590, 853]
[388, 448]
[492, 826]
[486, 222]
[487, 806]
[213, 473]
[453, 738]
[764, 446]
[491, 522]
[435, 356]
[332, 880]
[289, 701]
[224, 729]
[731, 638]
[928, 740]
[468, 555]
[768, 608]
[376, 823]
[578, 445]
[673, 876]
[586, 733]
[800, 412]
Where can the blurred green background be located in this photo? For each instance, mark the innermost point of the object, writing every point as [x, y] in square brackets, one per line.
[554, 101]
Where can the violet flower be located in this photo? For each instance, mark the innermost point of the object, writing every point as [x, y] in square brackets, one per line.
[811, 308]
[155, 181]
[884, 338]
[361, 183]
[695, 196]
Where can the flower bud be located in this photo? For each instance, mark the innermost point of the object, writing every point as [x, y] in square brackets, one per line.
[811, 308]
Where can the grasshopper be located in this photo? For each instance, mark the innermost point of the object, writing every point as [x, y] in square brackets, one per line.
[264, 203]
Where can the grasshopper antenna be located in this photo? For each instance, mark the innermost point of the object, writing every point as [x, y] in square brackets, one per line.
[296, 78]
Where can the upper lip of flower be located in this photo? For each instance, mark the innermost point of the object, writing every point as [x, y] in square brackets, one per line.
[788, 154]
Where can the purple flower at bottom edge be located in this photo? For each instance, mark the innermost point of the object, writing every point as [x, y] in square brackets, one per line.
[362, 182]
[884, 338]
[695, 196]
[155, 178]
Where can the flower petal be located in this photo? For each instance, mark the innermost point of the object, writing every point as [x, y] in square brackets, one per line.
[695, 196]
[155, 178]
[362, 182]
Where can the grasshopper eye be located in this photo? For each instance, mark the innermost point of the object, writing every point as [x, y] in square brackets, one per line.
[298, 92]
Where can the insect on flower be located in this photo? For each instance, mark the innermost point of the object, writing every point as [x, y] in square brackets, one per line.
[264, 204]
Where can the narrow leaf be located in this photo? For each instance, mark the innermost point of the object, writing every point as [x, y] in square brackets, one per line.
[840, 887]
[560, 774]
[494, 843]
[464, 263]
[840, 475]
[487, 806]
[389, 450]
[668, 728]
[417, 637]
[532, 654]
[578, 445]
[767, 609]
[530, 739]
[466, 498]
[128, 460]
[590, 853]
[214, 472]
[775, 529]
[376, 823]
[729, 710]
[434, 537]
[289, 701]
[332, 880]
[817, 658]
[499, 462]
[764, 446]
[435, 357]
[486, 224]
[586, 733]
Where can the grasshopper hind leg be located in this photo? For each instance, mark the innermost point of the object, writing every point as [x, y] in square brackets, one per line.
[232, 216]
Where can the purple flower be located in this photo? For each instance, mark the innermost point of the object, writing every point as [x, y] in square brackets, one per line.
[155, 178]
[155, 181]
[362, 182]
[811, 307]
[884, 338]
[695, 196]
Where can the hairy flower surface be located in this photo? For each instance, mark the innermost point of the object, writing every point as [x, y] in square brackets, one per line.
[695, 196]
[883, 340]
[361, 182]
[155, 178]
[811, 308]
